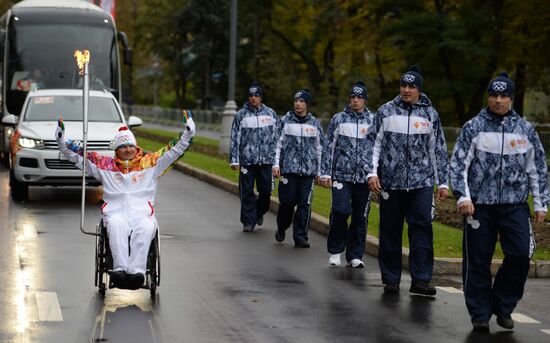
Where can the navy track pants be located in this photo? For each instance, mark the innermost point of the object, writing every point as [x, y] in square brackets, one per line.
[252, 208]
[348, 199]
[512, 224]
[295, 191]
[416, 207]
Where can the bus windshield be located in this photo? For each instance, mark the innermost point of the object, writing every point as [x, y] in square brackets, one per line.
[40, 53]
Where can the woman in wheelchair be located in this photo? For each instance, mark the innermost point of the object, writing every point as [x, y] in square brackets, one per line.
[129, 187]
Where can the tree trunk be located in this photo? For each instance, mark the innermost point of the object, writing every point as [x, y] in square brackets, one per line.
[333, 87]
[521, 85]
[205, 103]
[476, 100]
[314, 76]
[446, 62]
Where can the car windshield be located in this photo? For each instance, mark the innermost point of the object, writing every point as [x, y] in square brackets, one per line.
[48, 108]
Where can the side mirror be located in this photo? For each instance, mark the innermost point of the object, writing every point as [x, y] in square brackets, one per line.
[134, 121]
[127, 56]
[9, 120]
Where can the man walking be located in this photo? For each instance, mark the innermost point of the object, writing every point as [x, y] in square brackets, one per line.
[251, 152]
[297, 162]
[346, 159]
[410, 156]
[498, 158]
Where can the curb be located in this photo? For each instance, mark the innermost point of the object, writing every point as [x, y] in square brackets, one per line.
[442, 266]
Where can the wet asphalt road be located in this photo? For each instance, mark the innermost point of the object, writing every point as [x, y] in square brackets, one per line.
[218, 284]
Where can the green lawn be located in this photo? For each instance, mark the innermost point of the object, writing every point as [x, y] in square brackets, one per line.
[447, 240]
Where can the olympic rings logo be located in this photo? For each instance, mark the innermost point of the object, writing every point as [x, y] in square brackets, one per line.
[499, 86]
[408, 78]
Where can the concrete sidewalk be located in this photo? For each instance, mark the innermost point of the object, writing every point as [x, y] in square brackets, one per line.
[318, 223]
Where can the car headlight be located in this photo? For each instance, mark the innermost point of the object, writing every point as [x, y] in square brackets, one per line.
[112, 145]
[31, 143]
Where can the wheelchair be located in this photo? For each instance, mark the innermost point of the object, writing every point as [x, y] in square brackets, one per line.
[104, 262]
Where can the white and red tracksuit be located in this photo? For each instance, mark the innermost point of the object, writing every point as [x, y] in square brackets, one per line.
[129, 189]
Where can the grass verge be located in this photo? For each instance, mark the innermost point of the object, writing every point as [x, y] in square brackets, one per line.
[447, 240]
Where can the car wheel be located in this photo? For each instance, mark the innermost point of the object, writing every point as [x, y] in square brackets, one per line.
[19, 190]
[6, 159]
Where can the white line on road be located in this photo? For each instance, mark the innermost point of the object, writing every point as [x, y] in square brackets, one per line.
[450, 289]
[48, 307]
[521, 318]
[546, 331]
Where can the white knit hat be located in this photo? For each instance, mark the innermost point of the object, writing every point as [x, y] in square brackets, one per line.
[124, 137]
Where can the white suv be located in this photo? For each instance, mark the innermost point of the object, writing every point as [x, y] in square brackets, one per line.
[35, 158]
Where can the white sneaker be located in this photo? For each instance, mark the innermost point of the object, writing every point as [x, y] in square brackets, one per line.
[356, 263]
[334, 260]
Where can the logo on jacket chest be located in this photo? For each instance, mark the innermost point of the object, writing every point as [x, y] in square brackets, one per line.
[518, 143]
[421, 124]
[138, 177]
[118, 178]
[310, 130]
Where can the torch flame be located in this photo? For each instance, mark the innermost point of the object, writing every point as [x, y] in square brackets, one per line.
[82, 57]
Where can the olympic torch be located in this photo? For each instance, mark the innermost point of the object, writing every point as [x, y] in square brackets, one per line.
[82, 60]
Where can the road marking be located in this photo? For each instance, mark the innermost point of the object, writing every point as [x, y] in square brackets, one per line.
[521, 318]
[546, 331]
[29, 231]
[450, 289]
[48, 307]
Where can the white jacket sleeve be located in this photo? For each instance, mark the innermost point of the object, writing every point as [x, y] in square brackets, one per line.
[73, 153]
[170, 153]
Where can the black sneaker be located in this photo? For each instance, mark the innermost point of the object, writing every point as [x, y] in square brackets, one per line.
[481, 326]
[117, 277]
[422, 287]
[279, 236]
[391, 288]
[260, 220]
[302, 244]
[135, 281]
[505, 321]
[248, 228]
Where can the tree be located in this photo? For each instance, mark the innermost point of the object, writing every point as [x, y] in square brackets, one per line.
[527, 36]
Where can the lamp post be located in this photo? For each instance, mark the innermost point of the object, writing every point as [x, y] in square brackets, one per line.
[230, 108]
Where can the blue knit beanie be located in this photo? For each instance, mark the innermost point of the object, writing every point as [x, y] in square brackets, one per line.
[358, 89]
[303, 94]
[412, 78]
[502, 85]
[255, 89]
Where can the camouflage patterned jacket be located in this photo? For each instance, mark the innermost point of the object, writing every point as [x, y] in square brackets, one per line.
[497, 160]
[299, 145]
[409, 150]
[347, 154]
[252, 136]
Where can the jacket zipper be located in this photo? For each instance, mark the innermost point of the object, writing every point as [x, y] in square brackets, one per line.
[258, 132]
[408, 152]
[302, 147]
[501, 161]
[356, 146]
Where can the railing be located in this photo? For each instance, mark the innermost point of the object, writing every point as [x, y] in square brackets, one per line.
[159, 114]
[172, 116]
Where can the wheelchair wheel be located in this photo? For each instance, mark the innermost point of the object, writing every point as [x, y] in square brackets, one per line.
[153, 265]
[101, 262]
[153, 289]
[158, 257]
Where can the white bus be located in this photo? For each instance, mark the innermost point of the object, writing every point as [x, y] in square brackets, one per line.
[37, 41]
